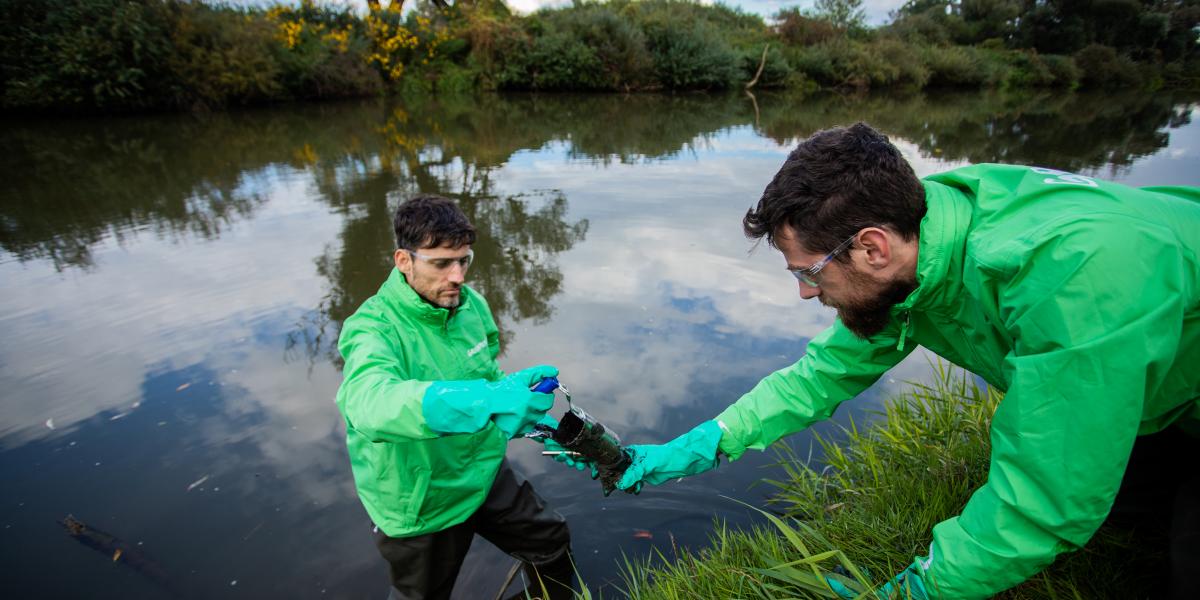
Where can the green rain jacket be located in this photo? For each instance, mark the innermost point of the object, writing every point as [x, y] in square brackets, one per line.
[1080, 299]
[411, 480]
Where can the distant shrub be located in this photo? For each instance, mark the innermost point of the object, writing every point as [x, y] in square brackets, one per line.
[618, 44]
[848, 63]
[1101, 66]
[776, 70]
[1063, 68]
[692, 58]
[907, 68]
[497, 50]
[560, 61]
[954, 66]
[222, 59]
[1026, 70]
[921, 29]
[796, 28]
[108, 54]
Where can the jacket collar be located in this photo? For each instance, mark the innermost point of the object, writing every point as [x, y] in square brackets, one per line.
[940, 249]
[407, 301]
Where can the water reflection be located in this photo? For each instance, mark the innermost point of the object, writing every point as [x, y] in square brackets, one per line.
[174, 286]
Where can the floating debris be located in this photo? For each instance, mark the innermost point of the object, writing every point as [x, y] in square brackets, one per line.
[183, 387]
[197, 482]
[50, 424]
[118, 416]
[642, 534]
[118, 550]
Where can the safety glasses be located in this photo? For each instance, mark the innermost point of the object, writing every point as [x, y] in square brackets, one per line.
[808, 275]
[440, 263]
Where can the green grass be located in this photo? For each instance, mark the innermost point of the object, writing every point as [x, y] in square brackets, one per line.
[870, 509]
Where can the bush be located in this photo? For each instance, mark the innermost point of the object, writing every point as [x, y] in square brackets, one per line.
[954, 66]
[692, 58]
[797, 29]
[617, 43]
[847, 63]
[86, 53]
[1063, 68]
[1026, 69]
[1101, 66]
[776, 70]
[222, 59]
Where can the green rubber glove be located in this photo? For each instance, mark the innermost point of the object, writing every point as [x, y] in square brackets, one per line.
[908, 585]
[566, 457]
[689, 454]
[453, 407]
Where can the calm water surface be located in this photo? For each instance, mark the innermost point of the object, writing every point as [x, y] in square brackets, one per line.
[172, 288]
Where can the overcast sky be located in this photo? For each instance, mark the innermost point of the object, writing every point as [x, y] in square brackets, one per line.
[877, 10]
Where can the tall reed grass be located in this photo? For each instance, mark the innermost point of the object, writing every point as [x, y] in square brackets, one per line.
[866, 512]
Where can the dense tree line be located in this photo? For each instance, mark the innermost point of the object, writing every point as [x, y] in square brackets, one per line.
[186, 54]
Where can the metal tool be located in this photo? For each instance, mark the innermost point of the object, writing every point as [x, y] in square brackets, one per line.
[586, 437]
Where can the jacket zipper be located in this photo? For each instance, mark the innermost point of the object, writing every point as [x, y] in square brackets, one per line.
[904, 330]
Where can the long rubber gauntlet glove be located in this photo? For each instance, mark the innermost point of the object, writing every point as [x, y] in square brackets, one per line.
[466, 406]
[689, 454]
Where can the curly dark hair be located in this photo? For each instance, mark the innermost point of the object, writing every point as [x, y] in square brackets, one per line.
[835, 183]
[431, 221]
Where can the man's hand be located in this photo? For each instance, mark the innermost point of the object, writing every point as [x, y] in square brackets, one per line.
[564, 456]
[466, 406]
[689, 454]
[907, 585]
[515, 408]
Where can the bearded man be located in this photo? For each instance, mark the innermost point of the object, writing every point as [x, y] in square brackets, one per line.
[1079, 298]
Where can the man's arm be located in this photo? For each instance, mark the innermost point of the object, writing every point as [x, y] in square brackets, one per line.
[379, 400]
[1095, 315]
[837, 366]
[377, 397]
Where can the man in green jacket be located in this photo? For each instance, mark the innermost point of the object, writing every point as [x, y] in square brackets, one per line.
[429, 415]
[1079, 298]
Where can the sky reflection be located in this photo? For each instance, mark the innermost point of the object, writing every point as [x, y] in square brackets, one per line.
[168, 373]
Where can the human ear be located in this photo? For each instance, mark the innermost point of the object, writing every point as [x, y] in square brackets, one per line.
[877, 244]
[403, 260]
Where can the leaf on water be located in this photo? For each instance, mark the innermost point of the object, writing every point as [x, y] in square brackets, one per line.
[183, 387]
[197, 482]
[116, 555]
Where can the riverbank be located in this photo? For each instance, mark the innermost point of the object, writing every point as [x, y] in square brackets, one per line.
[869, 511]
[137, 55]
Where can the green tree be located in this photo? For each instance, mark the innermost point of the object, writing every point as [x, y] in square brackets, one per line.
[845, 14]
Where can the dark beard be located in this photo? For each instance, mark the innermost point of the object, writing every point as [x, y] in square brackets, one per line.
[867, 318]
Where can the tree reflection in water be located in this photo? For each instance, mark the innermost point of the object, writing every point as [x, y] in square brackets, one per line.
[73, 184]
[519, 235]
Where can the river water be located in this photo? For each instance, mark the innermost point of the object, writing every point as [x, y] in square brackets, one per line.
[172, 288]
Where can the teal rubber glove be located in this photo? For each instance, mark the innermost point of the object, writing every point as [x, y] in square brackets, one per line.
[689, 454]
[909, 584]
[451, 407]
[565, 456]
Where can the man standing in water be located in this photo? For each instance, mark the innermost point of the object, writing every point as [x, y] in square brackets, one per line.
[429, 414]
[1079, 298]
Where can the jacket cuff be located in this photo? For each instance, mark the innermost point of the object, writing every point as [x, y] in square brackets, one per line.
[729, 445]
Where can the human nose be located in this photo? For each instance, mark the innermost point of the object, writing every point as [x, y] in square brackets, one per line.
[457, 273]
[808, 292]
